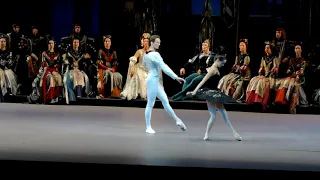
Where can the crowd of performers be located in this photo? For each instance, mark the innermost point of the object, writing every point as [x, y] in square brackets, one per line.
[281, 77]
[76, 68]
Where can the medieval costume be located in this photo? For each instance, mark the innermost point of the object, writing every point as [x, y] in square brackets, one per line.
[37, 47]
[14, 39]
[282, 50]
[290, 88]
[51, 83]
[110, 81]
[136, 77]
[235, 83]
[87, 46]
[8, 79]
[262, 88]
[75, 80]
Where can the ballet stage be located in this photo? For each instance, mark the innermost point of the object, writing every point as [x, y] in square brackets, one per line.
[116, 135]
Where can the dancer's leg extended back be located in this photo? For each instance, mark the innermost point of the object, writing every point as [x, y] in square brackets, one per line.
[161, 94]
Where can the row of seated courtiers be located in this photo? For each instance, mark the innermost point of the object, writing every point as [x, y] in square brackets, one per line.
[74, 74]
[278, 81]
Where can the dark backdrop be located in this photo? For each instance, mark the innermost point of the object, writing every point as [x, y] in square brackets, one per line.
[178, 28]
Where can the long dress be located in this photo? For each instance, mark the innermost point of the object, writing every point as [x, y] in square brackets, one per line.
[261, 87]
[109, 80]
[135, 85]
[235, 83]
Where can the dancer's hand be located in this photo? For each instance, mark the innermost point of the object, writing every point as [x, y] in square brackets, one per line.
[180, 80]
[192, 93]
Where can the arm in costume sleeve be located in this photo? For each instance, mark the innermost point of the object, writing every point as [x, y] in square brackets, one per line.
[245, 63]
[10, 61]
[58, 63]
[115, 61]
[134, 59]
[276, 64]
[304, 64]
[101, 66]
[2, 63]
[261, 69]
[100, 62]
[43, 60]
[234, 67]
[189, 64]
[165, 68]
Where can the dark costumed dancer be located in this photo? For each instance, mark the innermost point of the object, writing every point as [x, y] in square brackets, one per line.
[153, 62]
[215, 99]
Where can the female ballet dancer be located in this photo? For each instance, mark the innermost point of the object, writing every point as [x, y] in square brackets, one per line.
[215, 99]
[152, 62]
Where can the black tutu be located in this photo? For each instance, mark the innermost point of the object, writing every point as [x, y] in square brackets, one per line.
[211, 96]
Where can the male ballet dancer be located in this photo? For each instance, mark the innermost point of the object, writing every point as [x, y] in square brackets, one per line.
[152, 62]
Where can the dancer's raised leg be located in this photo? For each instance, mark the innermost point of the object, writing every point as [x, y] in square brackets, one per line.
[224, 115]
[152, 89]
[213, 111]
[165, 102]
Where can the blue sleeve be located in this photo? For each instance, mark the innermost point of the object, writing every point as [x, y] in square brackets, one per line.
[165, 68]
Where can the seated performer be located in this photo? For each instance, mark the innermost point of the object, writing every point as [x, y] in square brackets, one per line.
[261, 88]
[8, 79]
[235, 83]
[51, 83]
[153, 62]
[75, 79]
[136, 77]
[200, 64]
[289, 89]
[109, 80]
[215, 99]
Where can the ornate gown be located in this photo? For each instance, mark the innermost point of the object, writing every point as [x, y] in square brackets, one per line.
[289, 89]
[135, 85]
[8, 79]
[235, 83]
[109, 80]
[75, 79]
[51, 80]
[259, 87]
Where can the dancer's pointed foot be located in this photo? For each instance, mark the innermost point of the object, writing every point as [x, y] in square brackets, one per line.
[237, 136]
[181, 125]
[206, 137]
[150, 130]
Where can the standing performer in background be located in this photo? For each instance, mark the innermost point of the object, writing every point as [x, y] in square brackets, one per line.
[136, 76]
[152, 62]
[215, 99]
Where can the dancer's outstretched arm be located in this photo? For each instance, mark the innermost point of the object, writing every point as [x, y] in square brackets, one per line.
[211, 71]
[165, 68]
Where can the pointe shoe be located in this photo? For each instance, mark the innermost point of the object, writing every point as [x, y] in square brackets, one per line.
[206, 137]
[150, 131]
[237, 136]
[181, 125]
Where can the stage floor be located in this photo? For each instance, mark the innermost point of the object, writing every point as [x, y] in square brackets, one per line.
[116, 135]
